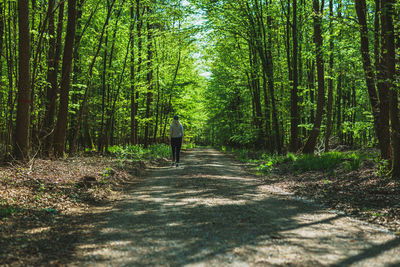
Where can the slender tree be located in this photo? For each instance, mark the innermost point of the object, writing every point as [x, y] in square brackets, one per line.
[294, 109]
[312, 140]
[330, 81]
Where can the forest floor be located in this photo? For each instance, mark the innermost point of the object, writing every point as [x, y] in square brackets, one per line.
[210, 211]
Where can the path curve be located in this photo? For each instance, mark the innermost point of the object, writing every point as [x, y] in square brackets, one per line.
[209, 212]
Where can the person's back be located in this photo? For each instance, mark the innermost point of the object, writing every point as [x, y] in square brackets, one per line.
[176, 129]
[176, 134]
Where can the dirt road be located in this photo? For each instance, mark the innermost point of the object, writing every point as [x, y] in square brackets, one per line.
[209, 212]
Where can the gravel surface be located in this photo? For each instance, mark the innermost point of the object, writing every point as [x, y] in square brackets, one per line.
[210, 212]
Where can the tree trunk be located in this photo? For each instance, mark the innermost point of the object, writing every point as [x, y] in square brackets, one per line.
[52, 88]
[330, 82]
[270, 75]
[157, 105]
[132, 80]
[2, 130]
[312, 140]
[139, 25]
[102, 132]
[150, 84]
[294, 109]
[378, 114]
[21, 148]
[10, 59]
[389, 58]
[61, 127]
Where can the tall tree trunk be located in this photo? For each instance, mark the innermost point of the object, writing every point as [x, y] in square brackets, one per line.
[61, 126]
[157, 105]
[139, 25]
[271, 89]
[294, 109]
[2, 130]
[384, 141]
[383, 132]
[150, 84]
[132, 80]
[330, 81]
[389, 58]
[312, 140]
[21, 148]
[10, 59]
[254, 84]
[102, 134]
[53, 67]
[339, 106]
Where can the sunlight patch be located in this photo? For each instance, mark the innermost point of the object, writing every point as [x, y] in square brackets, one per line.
[37, 230]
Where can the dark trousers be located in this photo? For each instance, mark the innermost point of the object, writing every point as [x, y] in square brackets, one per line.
[176, 144]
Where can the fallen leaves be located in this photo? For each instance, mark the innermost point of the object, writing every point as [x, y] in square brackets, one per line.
[39, 204]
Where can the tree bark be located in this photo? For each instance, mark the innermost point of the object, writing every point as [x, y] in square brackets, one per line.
[294, 109]
[132, 80]
[330, 82]
[55, 46]
[139, 25]
[150, 84]
[389, 57]
[21, 148]
[381, 130]
[61, 127]
[312, 140]
[2, 130]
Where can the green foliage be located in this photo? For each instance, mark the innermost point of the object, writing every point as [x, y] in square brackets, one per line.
[353, 162]
[383, 168]
[138, 152]
[158, 151]
[326, 161]
[128, 152]
[6, 211]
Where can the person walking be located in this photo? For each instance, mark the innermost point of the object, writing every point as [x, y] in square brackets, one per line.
[176, 135]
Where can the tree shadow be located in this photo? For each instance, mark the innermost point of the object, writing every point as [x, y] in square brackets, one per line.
[203, 212]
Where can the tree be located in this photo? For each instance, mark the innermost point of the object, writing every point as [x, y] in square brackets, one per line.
[389, 58]
[21, 148]
[312, 140]
[61, 127]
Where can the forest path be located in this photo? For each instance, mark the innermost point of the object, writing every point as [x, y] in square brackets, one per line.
[209, 212]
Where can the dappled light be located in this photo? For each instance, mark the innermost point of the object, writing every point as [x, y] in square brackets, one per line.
[215, 214]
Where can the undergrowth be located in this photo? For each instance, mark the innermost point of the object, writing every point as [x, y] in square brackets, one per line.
[264, 163]
[138, 152]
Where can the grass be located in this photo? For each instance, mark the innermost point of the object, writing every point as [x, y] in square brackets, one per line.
[265, 163]
[326, 161]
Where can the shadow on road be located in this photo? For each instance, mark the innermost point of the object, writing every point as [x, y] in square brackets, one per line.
[210, 211]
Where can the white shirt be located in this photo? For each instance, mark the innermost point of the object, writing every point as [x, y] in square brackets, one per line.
[176, 129]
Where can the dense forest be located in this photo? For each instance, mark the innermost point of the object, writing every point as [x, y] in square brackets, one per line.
[284, 75]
